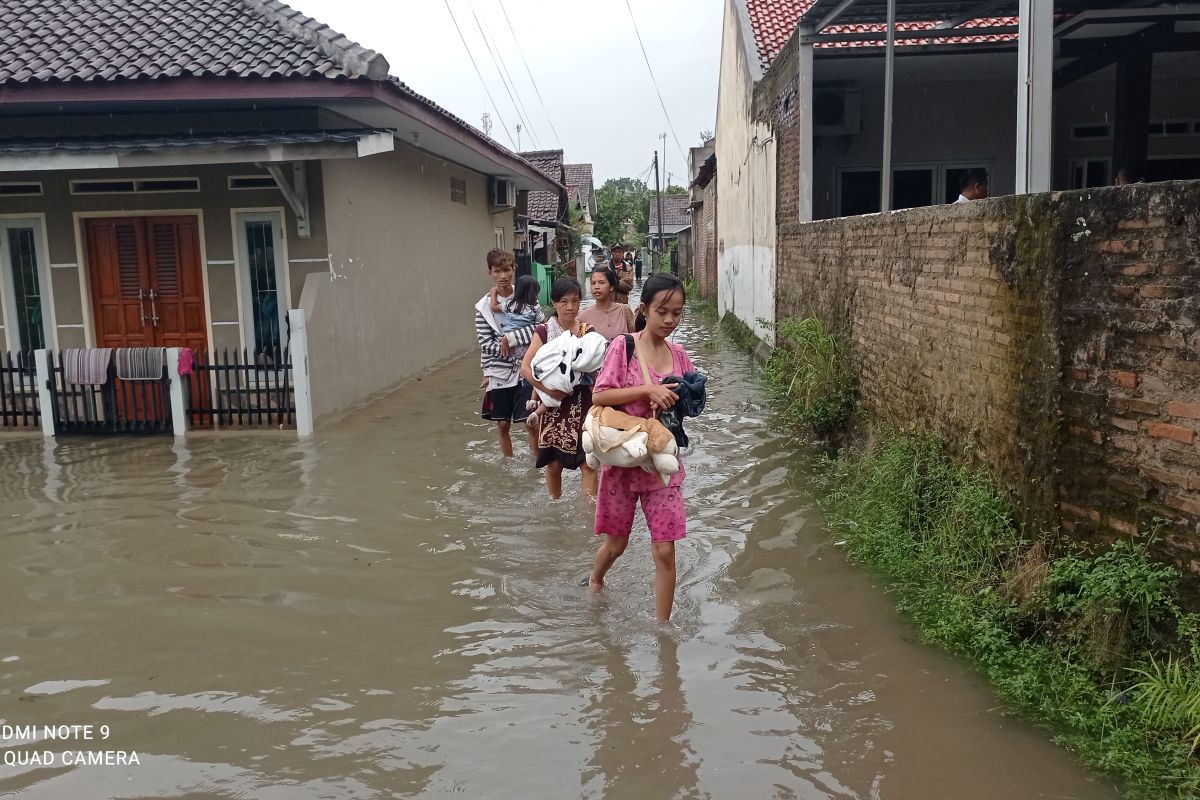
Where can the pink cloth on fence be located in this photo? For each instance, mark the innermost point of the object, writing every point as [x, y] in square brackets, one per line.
[187, 361]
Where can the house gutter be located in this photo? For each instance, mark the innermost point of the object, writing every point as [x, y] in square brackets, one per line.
[189, 90]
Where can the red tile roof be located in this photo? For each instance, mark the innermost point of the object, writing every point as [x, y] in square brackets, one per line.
[674, 211]
[774, 21]
[579, 182]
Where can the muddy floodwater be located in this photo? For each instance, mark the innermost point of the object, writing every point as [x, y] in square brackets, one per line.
[390, 610]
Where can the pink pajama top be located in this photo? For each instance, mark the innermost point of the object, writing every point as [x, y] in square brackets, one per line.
[617, 374]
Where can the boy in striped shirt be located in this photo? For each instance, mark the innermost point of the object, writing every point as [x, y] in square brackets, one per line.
[506, 397]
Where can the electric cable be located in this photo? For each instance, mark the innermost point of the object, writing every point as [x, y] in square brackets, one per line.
[502, 71]
[529, 72]
[654, 80]
[482, 82]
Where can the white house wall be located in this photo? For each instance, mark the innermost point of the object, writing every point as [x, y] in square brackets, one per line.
[746, 174]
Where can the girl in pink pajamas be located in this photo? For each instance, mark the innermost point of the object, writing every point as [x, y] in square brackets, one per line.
[620, 383]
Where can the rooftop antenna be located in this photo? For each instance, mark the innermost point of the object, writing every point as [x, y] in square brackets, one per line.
[487, 124]
[518, 137]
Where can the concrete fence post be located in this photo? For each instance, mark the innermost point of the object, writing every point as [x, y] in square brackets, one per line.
[178, 407]
[301, 383]
[41, 360]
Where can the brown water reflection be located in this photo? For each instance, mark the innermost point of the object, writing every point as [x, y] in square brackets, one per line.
[391, 611]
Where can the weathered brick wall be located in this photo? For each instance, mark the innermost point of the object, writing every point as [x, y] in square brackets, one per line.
[705, 244]
[1052, 339]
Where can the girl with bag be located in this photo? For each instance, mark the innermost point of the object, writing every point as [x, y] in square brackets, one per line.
[560, 440]
[634, 384]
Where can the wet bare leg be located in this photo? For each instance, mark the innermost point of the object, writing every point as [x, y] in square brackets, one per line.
[664, 579]
[502, 428]
[532, 430]
[589, 478]
[554, 479]
[610, 550]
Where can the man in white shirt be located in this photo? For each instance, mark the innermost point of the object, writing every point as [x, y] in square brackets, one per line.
[972, 185]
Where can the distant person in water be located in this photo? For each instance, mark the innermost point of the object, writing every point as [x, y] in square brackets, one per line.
[624, 273]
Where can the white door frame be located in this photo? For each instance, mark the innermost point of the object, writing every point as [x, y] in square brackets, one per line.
[274, 216]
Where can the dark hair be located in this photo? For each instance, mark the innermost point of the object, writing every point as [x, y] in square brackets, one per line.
[564, 286]
[661, 282]
[971, 177]
[500, 258]
[1131, 172]
[610, 275]
[525, 293]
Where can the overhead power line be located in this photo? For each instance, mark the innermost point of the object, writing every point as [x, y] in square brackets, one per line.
[482, 82]
[502, 71]
[529, 72]
[654, 80]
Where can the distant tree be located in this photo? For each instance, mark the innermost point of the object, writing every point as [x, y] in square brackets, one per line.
[621, 200]
[673, 189]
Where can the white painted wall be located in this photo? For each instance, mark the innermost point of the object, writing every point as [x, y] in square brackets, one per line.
[746, 174]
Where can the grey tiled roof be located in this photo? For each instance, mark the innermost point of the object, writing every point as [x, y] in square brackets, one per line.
[104, 40]
[674, 210]
[546, 205]
[130, 144]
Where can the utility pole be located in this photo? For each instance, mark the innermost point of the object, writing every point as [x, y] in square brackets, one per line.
[658, 199]
[663, 136]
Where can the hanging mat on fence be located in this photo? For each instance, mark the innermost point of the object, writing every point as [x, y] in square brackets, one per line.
[86, 366]
[140, 363]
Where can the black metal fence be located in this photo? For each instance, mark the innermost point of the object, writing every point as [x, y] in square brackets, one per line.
[249, 389]
[20, 407]
[115, 406]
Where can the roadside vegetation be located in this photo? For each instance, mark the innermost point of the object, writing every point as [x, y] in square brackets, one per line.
[1094, 644]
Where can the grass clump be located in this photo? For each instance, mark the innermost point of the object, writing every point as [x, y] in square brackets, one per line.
[1094, 646]
[809, 377]
[701, 305]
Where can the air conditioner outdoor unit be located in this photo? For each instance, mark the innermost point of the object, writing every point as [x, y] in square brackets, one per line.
[837, 112]
[502, 193]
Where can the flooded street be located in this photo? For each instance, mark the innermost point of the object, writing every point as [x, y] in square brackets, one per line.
[389, 610]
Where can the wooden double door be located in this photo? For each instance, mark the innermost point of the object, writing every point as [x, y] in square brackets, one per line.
[146, 282]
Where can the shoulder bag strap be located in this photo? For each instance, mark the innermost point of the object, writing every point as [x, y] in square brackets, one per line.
[637, 345]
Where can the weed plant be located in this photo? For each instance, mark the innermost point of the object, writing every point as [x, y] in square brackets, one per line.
[1093, 646]
[700, 305]
[808, 376]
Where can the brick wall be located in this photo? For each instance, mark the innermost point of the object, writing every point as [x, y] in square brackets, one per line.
[704, 226]
[1052, 339]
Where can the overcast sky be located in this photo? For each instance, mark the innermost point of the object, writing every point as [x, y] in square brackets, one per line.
[583, 55]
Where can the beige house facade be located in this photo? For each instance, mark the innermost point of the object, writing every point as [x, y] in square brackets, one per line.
[190, 200]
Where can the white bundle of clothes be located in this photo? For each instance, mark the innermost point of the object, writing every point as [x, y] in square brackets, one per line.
[562, 363]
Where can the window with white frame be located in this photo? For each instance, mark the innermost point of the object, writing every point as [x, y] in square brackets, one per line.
[23, 264]
[261, 274]
[1088, 173]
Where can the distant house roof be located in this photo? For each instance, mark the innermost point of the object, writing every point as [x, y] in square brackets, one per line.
[675, 214]
[546, 206]
[579, 184]
[773, 22]
[50, 46]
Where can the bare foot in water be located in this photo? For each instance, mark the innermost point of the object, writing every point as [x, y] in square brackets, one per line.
[594, 585]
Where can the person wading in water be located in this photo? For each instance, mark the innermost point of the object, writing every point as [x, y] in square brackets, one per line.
[560, 441]
[621, 383]
[607, 317]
